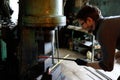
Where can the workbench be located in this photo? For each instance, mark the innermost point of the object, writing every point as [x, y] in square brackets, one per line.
[72, 71]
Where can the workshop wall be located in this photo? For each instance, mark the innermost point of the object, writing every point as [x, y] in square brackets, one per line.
[108, 7]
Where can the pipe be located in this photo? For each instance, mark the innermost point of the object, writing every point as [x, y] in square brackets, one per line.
[43, 13]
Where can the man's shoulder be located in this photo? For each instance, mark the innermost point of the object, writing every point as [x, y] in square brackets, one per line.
[112, 17]
[111, 20]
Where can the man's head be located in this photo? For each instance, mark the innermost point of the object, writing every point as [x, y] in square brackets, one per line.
[88, 16]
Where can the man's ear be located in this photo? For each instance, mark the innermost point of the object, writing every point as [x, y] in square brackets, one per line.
[90, 20]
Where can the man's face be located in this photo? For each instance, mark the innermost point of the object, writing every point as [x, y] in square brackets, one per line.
[88, 25]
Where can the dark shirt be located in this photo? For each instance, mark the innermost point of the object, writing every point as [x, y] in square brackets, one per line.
[109, 38]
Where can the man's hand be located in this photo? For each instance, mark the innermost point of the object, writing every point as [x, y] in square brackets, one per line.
[46, 75]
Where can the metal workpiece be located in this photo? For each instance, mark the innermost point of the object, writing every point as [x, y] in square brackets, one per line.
[43, 13]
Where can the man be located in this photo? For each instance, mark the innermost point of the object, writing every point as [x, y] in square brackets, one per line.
[107, 30]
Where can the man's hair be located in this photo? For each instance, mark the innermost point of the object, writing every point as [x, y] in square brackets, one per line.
[89, 11]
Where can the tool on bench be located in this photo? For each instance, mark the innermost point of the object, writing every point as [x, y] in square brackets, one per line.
[79, 61]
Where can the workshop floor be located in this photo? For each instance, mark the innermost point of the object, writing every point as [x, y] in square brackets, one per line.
[72, 54]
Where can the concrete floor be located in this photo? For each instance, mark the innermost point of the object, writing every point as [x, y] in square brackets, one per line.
[72, 54]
